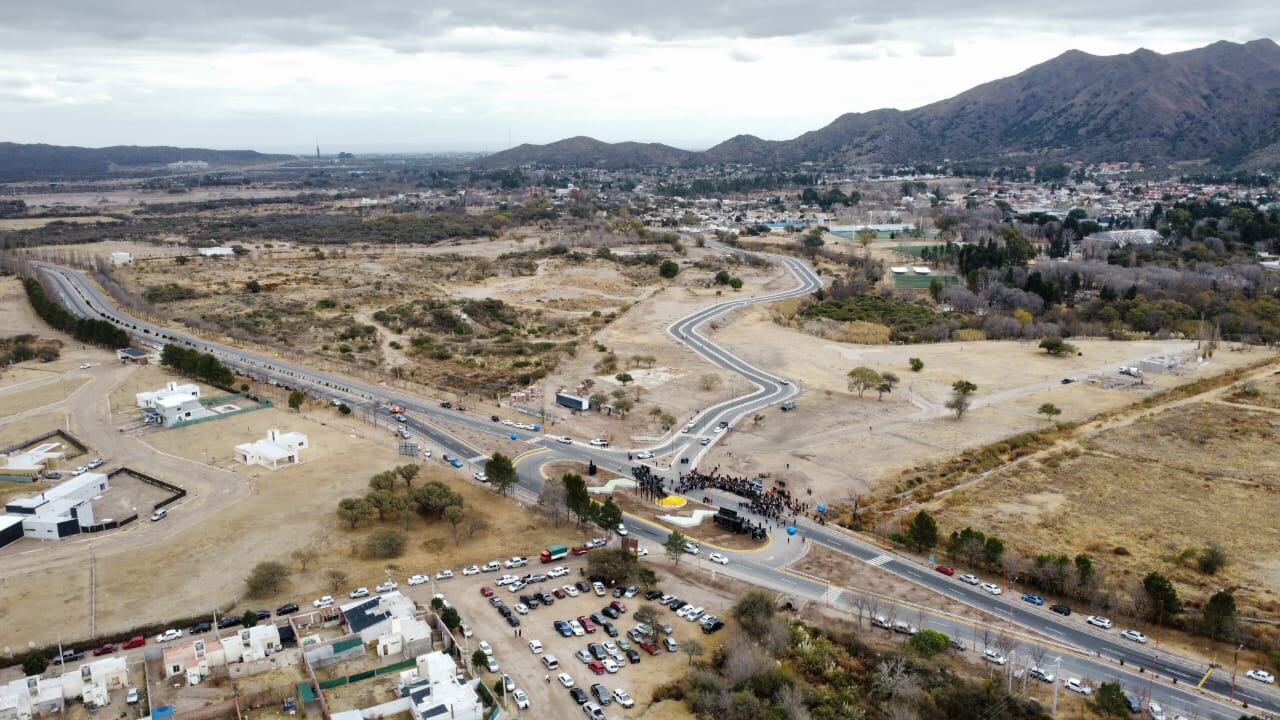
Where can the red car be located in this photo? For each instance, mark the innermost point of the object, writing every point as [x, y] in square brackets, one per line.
[559, 593]
[486, 591]
[649, 648]
[136, 641]
[580, 550]
[105, 649]
[617, 605]
[946, 570]
[587, 624]
[596, 667]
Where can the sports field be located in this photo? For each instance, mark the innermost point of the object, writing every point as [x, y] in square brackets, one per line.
[922, 282]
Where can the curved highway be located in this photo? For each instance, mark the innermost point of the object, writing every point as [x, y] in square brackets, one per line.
[1099, 655]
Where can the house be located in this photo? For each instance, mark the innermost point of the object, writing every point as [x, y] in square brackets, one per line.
[406, 636]
[63, 510]
[173, 404]
[372, 617]
[121, 258]
[435, 690]
[28, 464]
[29, 697]
[216, 252]
[36, 696]
[275, 451]
[252, 643]
[196, 659]
[133, 355]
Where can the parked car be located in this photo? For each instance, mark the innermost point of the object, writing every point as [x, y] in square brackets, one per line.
[1060, 609]
[969, 579]
[991, 588]
[718, 559]
[600, 442]
[946, 570]
[991, 655]
[1261, 676]
[169, 635]
[491, 566]
[596, 667]
[565, 680]
[228, 621]
[670, 644]
[1135, 636]
[601, 694]
[1040, 674]
[691, 548]
[1033, 599]
[159, 515]
[1098, 620]
[359, 593]
[323, 601]
[136, 641]
[95, 463]
[199, 628]
[106, 649]
[535, 647]
[132, 697]
[444, 575]
[471, 570]
[579, 695]
[68, 655]
[418, 580]
[1075, 685]
[522, 700]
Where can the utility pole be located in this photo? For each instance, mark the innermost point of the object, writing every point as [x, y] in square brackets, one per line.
[1057, 672]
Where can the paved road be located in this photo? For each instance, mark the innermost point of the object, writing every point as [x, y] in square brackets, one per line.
[82, 297]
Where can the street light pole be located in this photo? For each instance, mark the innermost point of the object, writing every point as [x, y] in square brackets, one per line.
[1057, 676]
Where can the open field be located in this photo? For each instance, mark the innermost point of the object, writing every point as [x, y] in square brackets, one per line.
[841, 446]
[7, 224]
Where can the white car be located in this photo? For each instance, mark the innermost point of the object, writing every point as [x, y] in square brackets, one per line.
[485, 648]
[168, 635]
[704, 441]
[1261, 676]
[622, 530]
[522, 608]
[600, 442]
[564, 440]
[1075, 685]
[506, 580]
[491, 566]
[535, 647]
[79, 471]
[598, 587]
[576, 627]
[1155, 711]
[471, 570]
[558, 571]
[694, 614]
[718, 558]
[522, 700]
[359, 592]
[991, 588]
[1135, 636]
[1098, 620]
[642, 551]
[386, 587]
[159, 515]
[95, 463]
[481, 477]
[609, 665]
[323, 601]
[565, 680]
[466, 630]
[623, 698]
[644, 455]
[419, 580]
[515, 562]
[427, 453]
[691, 548]
[969, 579]
[570, 590]
[1041, 674]
[444, 574]
[517, 586]
[993, 656]
[507, 683]
[85, 366]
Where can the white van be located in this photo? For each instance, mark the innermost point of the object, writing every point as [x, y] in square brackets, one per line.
[550, 662]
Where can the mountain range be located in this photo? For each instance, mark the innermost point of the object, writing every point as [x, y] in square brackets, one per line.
[1218, 104]
[31, 162]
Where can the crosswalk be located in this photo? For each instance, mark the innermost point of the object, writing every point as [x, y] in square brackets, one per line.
[879, 560]
[478, 458]
[832, 596]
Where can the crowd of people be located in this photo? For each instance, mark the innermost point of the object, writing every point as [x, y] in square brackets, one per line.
[775, 504]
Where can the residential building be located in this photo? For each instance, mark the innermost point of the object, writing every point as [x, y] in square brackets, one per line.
[372, 617]
[121, 258]
[29, 464]
[216, 252]
[436, 690]
[197, 659]
[133, 355]
[66, 509]
[275, 451]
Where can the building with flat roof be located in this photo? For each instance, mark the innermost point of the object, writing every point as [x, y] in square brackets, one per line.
[63, 510]
[133, 355]
[30, 463]
[173, 404]
[435, 690]
[275, 451]
[216, 252]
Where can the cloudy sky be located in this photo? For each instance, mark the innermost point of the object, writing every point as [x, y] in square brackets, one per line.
[479, 74]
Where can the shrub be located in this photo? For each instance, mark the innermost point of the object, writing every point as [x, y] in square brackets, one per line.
[929, 642]
[266, 578]
[384, 543]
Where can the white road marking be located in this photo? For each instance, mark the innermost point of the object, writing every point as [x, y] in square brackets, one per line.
[879, 560]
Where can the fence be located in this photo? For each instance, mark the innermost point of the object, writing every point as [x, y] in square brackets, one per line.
[109, 525]
[178, 493]
[366, 674]
[45, 436]
[208, 402]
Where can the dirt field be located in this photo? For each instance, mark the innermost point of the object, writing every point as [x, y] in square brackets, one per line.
[1148, 495]
[839, 446]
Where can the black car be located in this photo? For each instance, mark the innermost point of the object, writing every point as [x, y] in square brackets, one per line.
[601, 694]
[198, 628]
[596, 651]
[229, 621]
[677, 604]
[446, 405]
[67, 656]
[262, 614]
[618, 591]
[610, 613]
[494, 418]
[596, 618]
[1060, 609]
[578, 695]
[287, 609]
[653, 595]
[582, 587]
[609, 629]
[712, 627]
[547, 598]
[513, 621]
[633, 657]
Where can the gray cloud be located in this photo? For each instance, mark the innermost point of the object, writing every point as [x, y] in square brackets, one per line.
[938, 48]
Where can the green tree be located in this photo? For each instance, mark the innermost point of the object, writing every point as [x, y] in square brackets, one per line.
[993, 551]
[929, 642]
[692, 648]
[266, 578]
[296, 398]
[1057, 347]
[609, 515]
[576, 497]
[249, 619]
[479, 659]
[451, 618]
[34, 663]
[501, 472]
[624, 378]
[1085, 571]
[674, 545]
[408, 472]
[1163, 596]
[862, 379]
[961, 393]
[384, 481]
[384, 543]
[1110, 700]
[722, 277]
[668, 269]
[735, 283]
[754, 611]
[1212, 559]
[923, 531]
[1219, 618]
[916, 364]
[887, 382]
[354, 511]
[433, 497]
[455, 514]
[253, 286]
[1049, 410]
[386, 503]
[613, 564]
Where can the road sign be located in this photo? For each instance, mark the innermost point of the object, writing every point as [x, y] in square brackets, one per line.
[409, 449]
[630, 544]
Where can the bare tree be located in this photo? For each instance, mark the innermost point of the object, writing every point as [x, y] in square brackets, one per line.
[890, 674]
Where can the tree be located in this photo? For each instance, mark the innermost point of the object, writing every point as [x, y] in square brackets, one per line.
[668, 269]
[1162, 596]
[887, 381]
[384, 543]
[929, 642]
[296, 398]
[337, 579]
[249, 619]
[34, 663]
[501, 472]
[916, 364]
[253, 286]
[692, 648]
[384, 481]
[624, 378]
[1110, 700]
[455, 515]
[614, 565]
[408, 472]
[961, 390]
[1049, 411]
[967, 544]
[433, 497]
[754, 611]
[1212, 559]
[735, 283]
[304, 557]
[923, 531]
[674, 545]
[450, 617]
[1219, 618]
[993, 551]
[354, 511]
[479, 659]
[576, 497]
[722, 277]
[1057, 347]
[386, 503]
[552, 497]
[609, 515]
[266, 578]
[862, 379]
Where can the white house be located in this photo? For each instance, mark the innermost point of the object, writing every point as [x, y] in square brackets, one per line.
[30, 463]
[372, 617]
[276, 450]
[174, 403]
[55, 513]
[216, 252]
[173, 389]
[436, 691]
[29, 697]
[121, 258]
[196, 659]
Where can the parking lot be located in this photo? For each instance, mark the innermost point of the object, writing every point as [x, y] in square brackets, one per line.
[547, 696]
